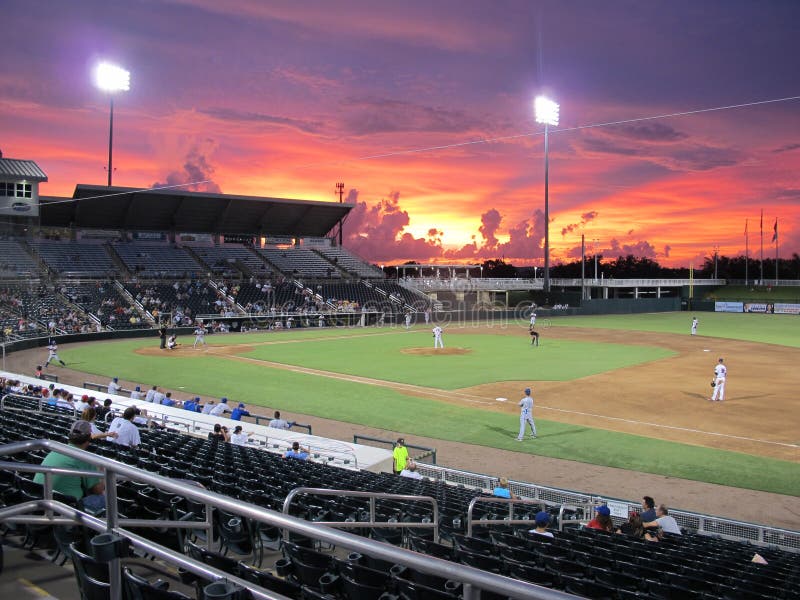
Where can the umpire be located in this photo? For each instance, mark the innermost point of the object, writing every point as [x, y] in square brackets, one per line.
[162, 333]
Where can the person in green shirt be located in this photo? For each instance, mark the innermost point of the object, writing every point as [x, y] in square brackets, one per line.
[90, 491]
[400, 454]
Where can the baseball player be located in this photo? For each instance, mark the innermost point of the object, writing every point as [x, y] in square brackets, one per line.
[526, 415]
[437, 338]
[694, 325]
[199, 336]
[113, 386]
[172, 342]
[53, 354]
[408, 320]
[534, 336]
[533, 319]
[720, 374]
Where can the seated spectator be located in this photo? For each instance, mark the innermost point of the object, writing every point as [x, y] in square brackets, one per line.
[277, 423]
[105, 412]
[89, 415]
[297, 452]
[38, 372]
[89, 491]
[83, 403]
[411, 471]
[542, 520]
[602, 520]
[239, 437]
[502, 490]
[219, 434]
[648, 509]
[239, 412]
[633, 527]
[667, 523]
[127, 432]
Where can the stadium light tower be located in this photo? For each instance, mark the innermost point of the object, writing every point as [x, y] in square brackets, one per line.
[546, 113]
[110, 78]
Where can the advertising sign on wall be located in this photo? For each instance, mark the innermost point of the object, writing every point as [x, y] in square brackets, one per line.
[787, 309]
[728, 307]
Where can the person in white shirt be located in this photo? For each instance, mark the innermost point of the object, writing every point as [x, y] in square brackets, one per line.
[82, 404]
[137, 393]
[667, 523]
[437, 338]
[209, 406]
[199, 336]
[542, 521]
[158, 397]
[114, 386]
[694, 325]
[219, 409]
[533, 319]
[151, 393]
[720, 375]
[408, 320]
[127, 432]
[411, 471]
[52, 354]
[277, 423]
[526, 415]
[239, 437]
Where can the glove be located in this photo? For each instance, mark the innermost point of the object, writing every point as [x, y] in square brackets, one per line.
[713, 384]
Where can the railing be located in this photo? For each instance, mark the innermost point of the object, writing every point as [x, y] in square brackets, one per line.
[426, 452]
[473, 579]
[306, 427]
[497, 500]
[732, 529]
[496, 283]
[433, 524]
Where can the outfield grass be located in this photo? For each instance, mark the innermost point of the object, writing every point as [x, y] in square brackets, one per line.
[385, 408]
[768, 329]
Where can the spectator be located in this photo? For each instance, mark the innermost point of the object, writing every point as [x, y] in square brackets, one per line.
[277, 423]
[400, 454]
[38, 372]
[83, 403]
[105, 412]
[297, 452]
[220, 408]
[239, 412]
[667, 523]
[633, 527]
[127, 432]
[239, 437]
[648, 509]
[90, 491]
[602, 520]
[89, 415]
[219, 434]
[502, 490]
[151, 393]
[542, 520]
[411, 471]
[137, 393]
[114, 386]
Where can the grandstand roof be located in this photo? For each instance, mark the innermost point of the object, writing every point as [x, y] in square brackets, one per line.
[196, 212]
[15, 168]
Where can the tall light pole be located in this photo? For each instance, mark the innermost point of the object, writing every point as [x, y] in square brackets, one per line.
[111, 78]
[547, 113]
[594, 251]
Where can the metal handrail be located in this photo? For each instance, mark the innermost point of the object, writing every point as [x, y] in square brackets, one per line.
[496, 500]
[434, 524]
[470, 576]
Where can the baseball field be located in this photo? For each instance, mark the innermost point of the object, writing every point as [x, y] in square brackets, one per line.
[630, 392]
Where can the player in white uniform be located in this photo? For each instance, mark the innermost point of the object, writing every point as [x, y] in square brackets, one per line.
[437, 337]
[533, 319]
[114, 386]
[199, 336]
[408, 320]
[694, 325]
[53, 354]
[526, 415]
[720, 375]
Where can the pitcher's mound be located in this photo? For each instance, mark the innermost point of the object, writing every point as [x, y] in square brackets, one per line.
[435, 351]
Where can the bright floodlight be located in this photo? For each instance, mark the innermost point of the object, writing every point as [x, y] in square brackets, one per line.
[111, 78]
[546, 111]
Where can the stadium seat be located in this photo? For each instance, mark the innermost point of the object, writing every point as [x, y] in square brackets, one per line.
[138, 588]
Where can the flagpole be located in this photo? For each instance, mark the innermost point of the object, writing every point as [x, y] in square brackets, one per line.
[761, 267]
[776, 250]
[746, 253]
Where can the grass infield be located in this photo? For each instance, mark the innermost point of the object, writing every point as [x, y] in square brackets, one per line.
[368, 353]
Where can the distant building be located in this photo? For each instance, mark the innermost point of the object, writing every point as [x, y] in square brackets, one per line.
[19, 187]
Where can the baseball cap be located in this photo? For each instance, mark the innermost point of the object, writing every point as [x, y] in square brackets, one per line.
[527, 391]
[224, 400]
[116, 378]
[241, 404]
[138, 388]
[603, 510]
[85, 397]
[542, 517]
[81, 428]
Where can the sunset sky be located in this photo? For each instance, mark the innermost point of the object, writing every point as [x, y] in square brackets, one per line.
[285, 98]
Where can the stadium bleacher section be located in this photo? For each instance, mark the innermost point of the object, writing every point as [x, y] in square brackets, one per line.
[350, 263]
[75, 259]
[15, 261]
[584, 562]
[39, 308]
[231, 260]
[105, 301]
[300, 262]
[158, 260]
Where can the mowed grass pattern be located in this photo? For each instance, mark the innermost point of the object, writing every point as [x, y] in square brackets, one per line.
[380, 407]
